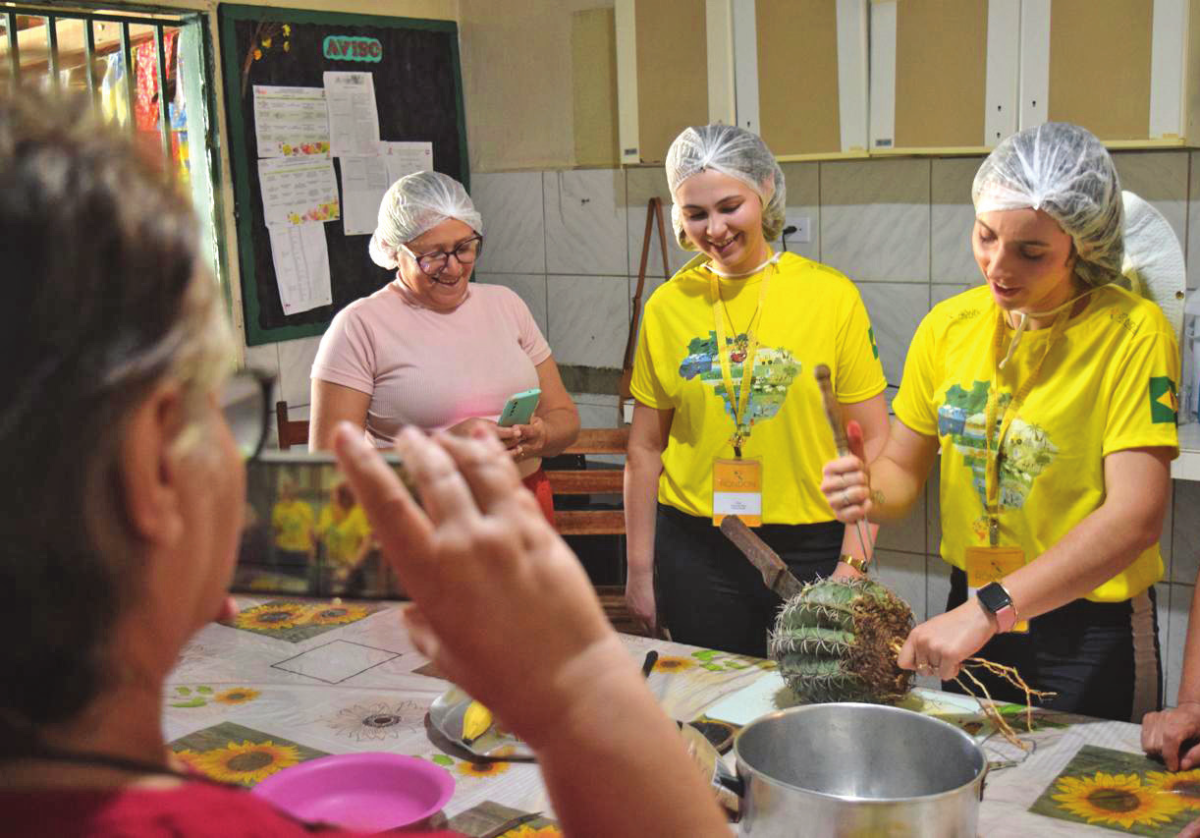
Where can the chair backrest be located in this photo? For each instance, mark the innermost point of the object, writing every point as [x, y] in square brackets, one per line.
[291, 431]
[591, 482]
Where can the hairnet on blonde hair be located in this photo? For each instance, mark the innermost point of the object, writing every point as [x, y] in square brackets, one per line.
[415, 204]
[1063, 170]
[735, 152]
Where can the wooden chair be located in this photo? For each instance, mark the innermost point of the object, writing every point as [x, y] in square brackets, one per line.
[291, 432]
[591, 482]
[577, 522]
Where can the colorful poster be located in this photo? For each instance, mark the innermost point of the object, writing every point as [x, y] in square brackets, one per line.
[297, 190]
[291, 121]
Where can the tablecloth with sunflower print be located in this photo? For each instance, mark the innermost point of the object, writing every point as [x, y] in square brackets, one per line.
[288, 680]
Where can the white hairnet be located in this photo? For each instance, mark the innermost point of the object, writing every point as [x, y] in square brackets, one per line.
[1063, 170]
[414, 204]
[731, 151]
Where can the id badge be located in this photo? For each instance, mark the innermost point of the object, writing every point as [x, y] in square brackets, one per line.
[737, 490]
[990, 564]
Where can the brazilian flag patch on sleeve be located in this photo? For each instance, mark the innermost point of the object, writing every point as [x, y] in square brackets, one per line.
[1164, 401]
[874, 345]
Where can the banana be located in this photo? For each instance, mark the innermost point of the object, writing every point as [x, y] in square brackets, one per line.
[476, 722]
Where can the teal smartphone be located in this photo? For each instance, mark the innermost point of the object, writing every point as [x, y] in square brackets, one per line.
[519, 408]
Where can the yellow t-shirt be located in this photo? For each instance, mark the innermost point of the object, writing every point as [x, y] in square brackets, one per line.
[293, 522]
[343, 532]
[812, 315]
[1108, 384]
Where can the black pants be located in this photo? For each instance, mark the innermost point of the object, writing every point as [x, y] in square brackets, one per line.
[708, 594]
[1102, 659]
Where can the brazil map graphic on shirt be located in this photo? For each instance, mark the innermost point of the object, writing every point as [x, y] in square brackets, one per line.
[774, 371]
[1027, 448]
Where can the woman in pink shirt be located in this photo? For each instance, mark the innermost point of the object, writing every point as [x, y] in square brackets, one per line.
[433, 350]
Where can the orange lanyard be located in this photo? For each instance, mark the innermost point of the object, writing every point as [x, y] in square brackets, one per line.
[738, 405]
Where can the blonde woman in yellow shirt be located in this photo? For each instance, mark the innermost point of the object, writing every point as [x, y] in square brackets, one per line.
[728, 417]
[292, 522]
[344, 532]
[1050, 392]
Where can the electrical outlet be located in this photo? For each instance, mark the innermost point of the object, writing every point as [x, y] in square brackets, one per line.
[803, 225]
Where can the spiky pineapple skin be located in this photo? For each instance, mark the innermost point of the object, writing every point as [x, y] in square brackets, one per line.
[835, 641]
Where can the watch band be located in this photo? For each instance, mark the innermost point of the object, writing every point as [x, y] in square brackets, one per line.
[995, 599]
[855, 562]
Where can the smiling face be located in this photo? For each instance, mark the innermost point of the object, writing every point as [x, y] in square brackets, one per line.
[450, 288]
[722, 217]
[1026, 258]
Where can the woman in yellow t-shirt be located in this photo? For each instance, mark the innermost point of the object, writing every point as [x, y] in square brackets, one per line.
[292, 522]
[1050, 392]
[774, 317]
[344, 532]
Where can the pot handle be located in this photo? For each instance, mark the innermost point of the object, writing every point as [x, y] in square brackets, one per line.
[731, 791]
[728, 787]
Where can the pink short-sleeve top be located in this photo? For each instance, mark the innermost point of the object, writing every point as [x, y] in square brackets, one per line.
[428, 368]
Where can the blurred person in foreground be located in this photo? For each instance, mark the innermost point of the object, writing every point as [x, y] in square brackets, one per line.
[124, 541]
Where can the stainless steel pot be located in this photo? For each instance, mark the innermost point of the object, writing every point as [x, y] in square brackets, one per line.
[857, 770]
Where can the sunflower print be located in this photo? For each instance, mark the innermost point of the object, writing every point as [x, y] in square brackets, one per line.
[483, 769]
[189, 758]
[1183, 785]
[247, 763]
[1116, 799]
[671, 664]
[272, 616]
[236, 695]
[377, 721]
[334, 615]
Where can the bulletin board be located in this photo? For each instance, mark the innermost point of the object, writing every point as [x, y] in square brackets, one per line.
[418, 93]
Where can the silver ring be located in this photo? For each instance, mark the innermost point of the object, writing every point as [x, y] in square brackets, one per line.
[845, 498]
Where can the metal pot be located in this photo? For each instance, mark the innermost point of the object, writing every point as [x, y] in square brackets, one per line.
[856, 770]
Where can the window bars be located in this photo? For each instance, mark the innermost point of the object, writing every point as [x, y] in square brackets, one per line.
[130, 31]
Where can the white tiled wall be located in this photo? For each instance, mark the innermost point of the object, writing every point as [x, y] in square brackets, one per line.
[569, 243]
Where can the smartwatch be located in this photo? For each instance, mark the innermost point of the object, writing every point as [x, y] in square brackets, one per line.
[995, 600]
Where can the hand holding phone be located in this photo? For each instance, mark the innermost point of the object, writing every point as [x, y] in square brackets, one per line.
[519, 408]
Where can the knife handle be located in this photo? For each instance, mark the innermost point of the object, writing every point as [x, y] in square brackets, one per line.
[832, 412]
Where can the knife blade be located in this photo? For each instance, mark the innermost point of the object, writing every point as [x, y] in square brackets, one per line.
[775, 573]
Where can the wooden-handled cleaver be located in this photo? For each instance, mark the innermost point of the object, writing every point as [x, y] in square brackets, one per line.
[775, 573]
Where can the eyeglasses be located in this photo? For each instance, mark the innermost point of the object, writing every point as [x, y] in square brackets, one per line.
[246, 403]
[432, 264]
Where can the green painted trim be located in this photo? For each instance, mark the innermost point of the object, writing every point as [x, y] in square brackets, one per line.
[228, 16]
[212, 142]
[237, 162]
[464, 160]
[274, 13]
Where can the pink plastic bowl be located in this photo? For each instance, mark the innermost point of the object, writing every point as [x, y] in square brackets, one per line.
[366, 792]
